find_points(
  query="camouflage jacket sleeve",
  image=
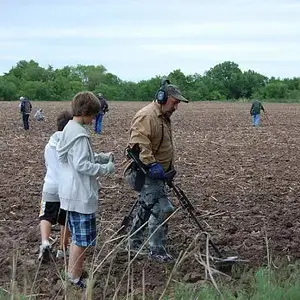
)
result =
(140, 133)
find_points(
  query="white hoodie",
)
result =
(78, 186)
(39, 115)
(50, 187)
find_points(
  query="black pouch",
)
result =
(134, 176)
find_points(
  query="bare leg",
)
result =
(45, 230)
(76, 260)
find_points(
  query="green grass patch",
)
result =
(262, 284)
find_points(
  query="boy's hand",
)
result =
(110, 156)
(110, 167)
(104, 158)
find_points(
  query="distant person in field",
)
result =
(256, 107)
(50, 212)
(25, 109)
(39, 115)
(80, 168)
(103, 111)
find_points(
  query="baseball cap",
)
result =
(174, 91)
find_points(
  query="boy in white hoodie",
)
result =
(50, 212)
(78, 189)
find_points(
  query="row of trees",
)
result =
(224, 81)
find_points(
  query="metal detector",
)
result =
(184, 202)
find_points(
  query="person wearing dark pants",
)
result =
(25, 121)
(25, 108)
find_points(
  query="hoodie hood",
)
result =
(70, 134)
(54, 139)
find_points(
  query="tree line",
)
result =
(225, 81)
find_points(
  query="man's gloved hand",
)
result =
(156, 171)
(111, 156)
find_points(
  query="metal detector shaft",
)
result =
(186, 204)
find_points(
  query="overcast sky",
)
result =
(140, 39)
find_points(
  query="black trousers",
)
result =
(26, 121)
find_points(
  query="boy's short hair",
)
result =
(85, 104)
(62, 119)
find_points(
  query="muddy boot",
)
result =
(135, 247)
(160, 255)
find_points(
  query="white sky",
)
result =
(137, 39)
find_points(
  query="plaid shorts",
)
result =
(82, 228)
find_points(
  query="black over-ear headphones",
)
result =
(162, 94)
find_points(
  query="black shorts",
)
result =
(51, 212)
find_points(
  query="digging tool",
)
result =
(183, 200)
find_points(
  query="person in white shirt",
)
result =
(50, 212)
(39, 115)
